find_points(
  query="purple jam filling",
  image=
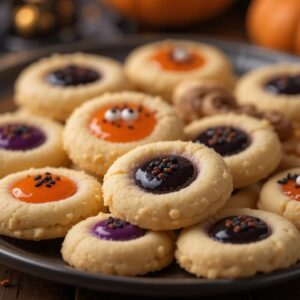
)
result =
(114, 229)
(239, 230)
(165, 174)
(225, 140)
(20, 137)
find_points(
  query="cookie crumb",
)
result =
(5, 283)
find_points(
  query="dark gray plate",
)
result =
(43, 258)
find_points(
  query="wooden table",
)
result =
(27, 287)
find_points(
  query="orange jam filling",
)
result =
(178, 59)
(123, 123)
(43, 188)
(292, 190)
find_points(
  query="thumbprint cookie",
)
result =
(29, 141)
(167, 185)
(244, 198)
(39, 204)
(107, 127)
(109, 245)
(168, 62)
(238, 243)
(275, 87)
(56, 85)
(281, 195)
(249, 146)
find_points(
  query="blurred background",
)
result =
(28, 24)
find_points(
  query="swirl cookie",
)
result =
(109, 126)
(238, 243)
(109, 245)
(244, 198)
(194, 99)
(55, 86)
(275, 87)
(281, 195)
(40, 204)
(167, 185)
(168, 62)
(28, 141)
(243, 141)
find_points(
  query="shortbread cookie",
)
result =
(244, 198)
(275, 87)
(56, 85)
(167, 185)
(291, 150)
(40, 204)
(249, 146)
(164, 64)
(281, 195)
(109, 245)
(107, 127)
(238, 243)
(29, 141)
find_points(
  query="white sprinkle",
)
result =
(298, 180)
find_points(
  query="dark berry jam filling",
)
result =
(114, 229)
(239, 230)
(286, 85)
(165, 174)
(20, 137)
(224, 140)
(73, 75)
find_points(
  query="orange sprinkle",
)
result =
(164, 57)
(122, 130)
(32, 189)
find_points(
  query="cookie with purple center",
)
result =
(238, 243)
(167, 185)
(63, 82)
(244, 142)
(275, 87)
(28, 141)
(284, 190)
(110, 245)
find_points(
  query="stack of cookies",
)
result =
(167, 156)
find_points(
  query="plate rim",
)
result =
(146, 285)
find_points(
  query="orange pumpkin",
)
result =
(169, 12)
(275, 24)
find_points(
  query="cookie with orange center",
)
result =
(238, 243)
(109, 245)
(39, 204)
(281, 195)
(168, 62)
(56, 85)
(29, 141)
(107, 127)
(167, 185)
(244, 142)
